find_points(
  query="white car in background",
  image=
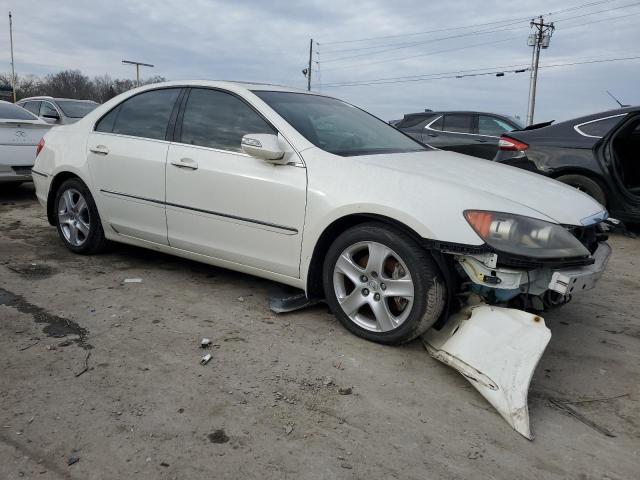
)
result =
(20, 132)
(313, 192)
(58, 111)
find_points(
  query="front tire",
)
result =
(77, 219)
(382, 285)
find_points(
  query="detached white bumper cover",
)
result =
(575, 280)
(497, 350)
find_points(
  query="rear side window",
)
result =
(410, 121)
(458, 123)
(14, 112)
(33, 107)
(437, 125)
(47, 109)
(144, 115)
(492, 126)
(217, 119)
(598, 128)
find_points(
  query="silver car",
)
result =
(58, 111)
(20, 134)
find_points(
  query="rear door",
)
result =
(32, 106)
(225, 204)
(127, 153)
(453, 131)
(490, 128)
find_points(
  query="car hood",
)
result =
(552, 199)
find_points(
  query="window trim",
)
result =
(428, 126)
(55, 107)
(580, 132)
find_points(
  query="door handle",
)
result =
(432, 134)
(185, 163)
(99, 149)
(481, 140)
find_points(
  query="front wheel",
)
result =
(77, 218)
(382, 285)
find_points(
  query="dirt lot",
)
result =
(268, 404)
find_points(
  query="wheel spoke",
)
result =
(378, 253)
(68, 201)
(83, 228)
(352, 302)
(81, 205)
(384, 318)
(398, 288)
(64, 217)
(73, 234)
(346, 266)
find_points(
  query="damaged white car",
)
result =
(312, 192)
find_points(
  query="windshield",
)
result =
(76, 109)
(337, 127)
(14, 112)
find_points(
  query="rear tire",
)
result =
(363, 269)
(77, 219)
(586, 185)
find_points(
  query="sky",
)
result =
(354, 41)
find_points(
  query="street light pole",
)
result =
(137, 64)
(13, 70)
(540, 40)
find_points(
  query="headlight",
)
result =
(524, 236)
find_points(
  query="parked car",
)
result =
(471, 133)
(20, 132)
(597, 154)
(59, 111)
(312, 192)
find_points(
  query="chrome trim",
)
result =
(200, 210)
(577, 127)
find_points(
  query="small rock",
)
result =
(72, 460)
(288, 429)
(347, 466)
(219, 436)
(241, 299)
(345, 390)
(164, 464)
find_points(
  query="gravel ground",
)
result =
(105, 375)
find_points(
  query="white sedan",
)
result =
(20, 132)
(313, 192)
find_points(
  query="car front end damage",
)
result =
(492, 331)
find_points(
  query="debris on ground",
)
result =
(345, 390)
(132, 280)
(205, 343)
(72, 460)
(218, 436)
(164, 464)
(288, 429)
(86, 365)
(205, 359)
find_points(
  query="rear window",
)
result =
(411, 121)
(75, 109)
(9, 111)
(598, 128)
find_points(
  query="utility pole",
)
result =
(137, 64)
(310, 59)
(13, 70)
(538, 40)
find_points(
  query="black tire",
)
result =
(95, 241)
(429, 287)
(586, 185)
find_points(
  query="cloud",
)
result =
(268, 41)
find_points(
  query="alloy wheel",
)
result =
(74, 217)
(373, 286)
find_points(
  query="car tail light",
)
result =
(40, 146)
(511, 144)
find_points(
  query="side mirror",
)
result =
(50, 117)
(264, 146)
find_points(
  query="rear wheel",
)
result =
(586, 185)
(77, 218)
(381, 285)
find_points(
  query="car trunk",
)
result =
(18, 140)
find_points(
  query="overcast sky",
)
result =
(268, 41)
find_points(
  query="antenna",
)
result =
(616, 100)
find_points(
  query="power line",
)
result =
(496, 72)
(528, 17)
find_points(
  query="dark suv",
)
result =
(472, 133)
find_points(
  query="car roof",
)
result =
(443, 112)
(231, 85)
(55, 99)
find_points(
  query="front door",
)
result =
(225, 204)
(127, 156)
